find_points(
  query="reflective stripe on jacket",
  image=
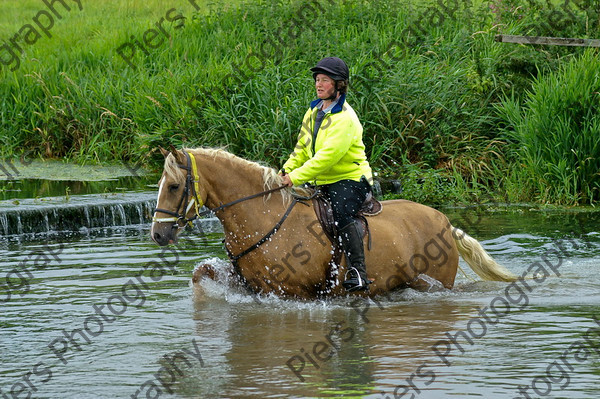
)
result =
(339, 149)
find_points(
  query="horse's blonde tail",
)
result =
(478, 259)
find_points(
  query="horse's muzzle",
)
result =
(164, 233)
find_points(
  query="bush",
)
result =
(425, 75)
(557, 127)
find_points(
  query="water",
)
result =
(26, 188)
(229, 344)
(61, 214)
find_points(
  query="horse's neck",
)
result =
(228, 182)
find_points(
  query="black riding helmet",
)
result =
(333, 67)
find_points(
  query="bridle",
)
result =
(179, 220)
(191, 187)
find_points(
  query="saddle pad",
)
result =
(324, 212)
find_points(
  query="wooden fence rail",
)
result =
(555, 41)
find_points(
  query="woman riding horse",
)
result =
(330, 153)
(277, 246)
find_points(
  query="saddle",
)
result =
(322, 205)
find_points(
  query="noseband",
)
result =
(191, 186)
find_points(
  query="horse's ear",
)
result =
(163, 151)
(179, 155)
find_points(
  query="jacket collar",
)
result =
(337, 108)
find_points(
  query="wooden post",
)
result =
(553, 41)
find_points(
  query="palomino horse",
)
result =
(277, 245)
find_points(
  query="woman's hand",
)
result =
(286, 180)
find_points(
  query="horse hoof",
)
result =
(201, 271)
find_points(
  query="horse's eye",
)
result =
(173, 187)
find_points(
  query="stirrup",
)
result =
(355, 282)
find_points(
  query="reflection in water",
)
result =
(340, 346)
(38, 188)
(264, 347)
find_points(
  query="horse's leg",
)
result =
(426, 283)
(440, 255)
(204, 270)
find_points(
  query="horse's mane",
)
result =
(172, 169)
(269, 175)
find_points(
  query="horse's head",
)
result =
(179, 199)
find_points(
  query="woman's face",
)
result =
(324, 85)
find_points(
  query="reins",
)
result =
(237, 201)
(191, 185)
(265, 238)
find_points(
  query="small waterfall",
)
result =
(140, 212)
(86, 213)
(19, 225)
(46, 222)
(4, 224)
(34, 216)
(120, 210)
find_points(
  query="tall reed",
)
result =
(557, 127)
(424, 88)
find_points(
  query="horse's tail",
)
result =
(478, 259)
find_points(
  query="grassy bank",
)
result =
(429, 83)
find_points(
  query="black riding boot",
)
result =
(352, 243)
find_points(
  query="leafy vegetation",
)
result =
(429, 82)
(558, 128)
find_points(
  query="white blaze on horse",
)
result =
(276, 244)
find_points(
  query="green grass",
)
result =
(558, 128)
(426, 100)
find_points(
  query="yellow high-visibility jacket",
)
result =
(337, 154)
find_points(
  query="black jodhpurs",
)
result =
(346, 198)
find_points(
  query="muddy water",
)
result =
(105, 313)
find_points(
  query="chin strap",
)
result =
(335, 92)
